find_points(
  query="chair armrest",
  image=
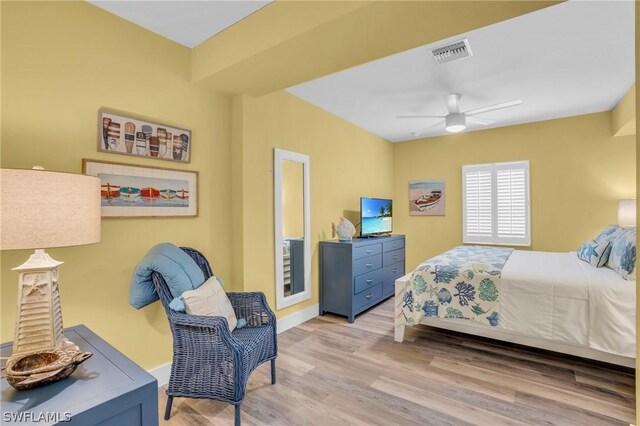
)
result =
(214, 323)
(204, 328)
(253, 307)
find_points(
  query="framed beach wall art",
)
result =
(137, 137)
(427, 198)
(135, 191)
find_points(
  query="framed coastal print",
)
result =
(134, 191)
(426, 198)
(122, 134)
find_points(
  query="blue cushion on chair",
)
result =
(595, 254)
(179, 270)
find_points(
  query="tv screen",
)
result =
(375, 216)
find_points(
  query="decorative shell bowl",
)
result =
(44, 367)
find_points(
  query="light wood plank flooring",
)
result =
(334, 373)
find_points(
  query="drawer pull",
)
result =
(369, 251)
(395, 270)
(369, 281)
(369, 265)
(369, 296)
(395, 257)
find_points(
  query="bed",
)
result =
(553, 301)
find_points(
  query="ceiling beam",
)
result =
(290, 42)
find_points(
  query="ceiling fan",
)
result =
(456, 120)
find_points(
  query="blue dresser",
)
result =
(107, 389)
(358, 275)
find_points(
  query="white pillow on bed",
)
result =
(595, 253)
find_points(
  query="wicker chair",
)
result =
(208, 360)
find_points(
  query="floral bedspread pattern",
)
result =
(463, 282)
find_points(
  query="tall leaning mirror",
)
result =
(292, 228)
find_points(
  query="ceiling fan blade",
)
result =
(419, 116)
(419, 133)
(453, 102)
(477, 120)
(433, 125)
(494, 107)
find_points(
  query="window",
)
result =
(495, 204)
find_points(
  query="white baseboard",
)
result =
(162, 372)
(298, 318)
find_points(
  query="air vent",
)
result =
(451, 52)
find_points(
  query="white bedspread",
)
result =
(559, 297)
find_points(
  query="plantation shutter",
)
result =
(512, 198)
(478, 204)
(496, 207)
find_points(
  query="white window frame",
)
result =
(494, 239)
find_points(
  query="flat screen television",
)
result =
(376, 216)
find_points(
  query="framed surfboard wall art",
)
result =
(128, 190)
(123, 134)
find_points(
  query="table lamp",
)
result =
(42, 209)
(627, 213)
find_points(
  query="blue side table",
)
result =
(107, 389)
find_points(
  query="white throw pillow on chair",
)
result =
(210, 300)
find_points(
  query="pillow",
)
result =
(179, 270)
(623, 254)
(210, 300)
(595, 254)
(610, 233)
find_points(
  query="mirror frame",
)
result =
(281, 155)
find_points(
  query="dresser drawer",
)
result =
(393, 245)
(368, 296)
(391, 257)
(366, 281)
(368, 250)
(393, 272)
(389, 287)
(367, 264)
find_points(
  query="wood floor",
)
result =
(334, 373)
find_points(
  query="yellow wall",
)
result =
(578, 172)
(237, 208)
(61, 62)
(292, 199)
(346, 162)
(623, 116)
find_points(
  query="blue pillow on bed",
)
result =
(595, 253)
(623, 254)
(610, 233)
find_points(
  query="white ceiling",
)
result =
(570, 59)
(186, 22)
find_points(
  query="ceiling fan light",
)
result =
(455, 123)
(455, 128)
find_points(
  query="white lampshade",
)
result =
(627, 212)
(41, 209)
